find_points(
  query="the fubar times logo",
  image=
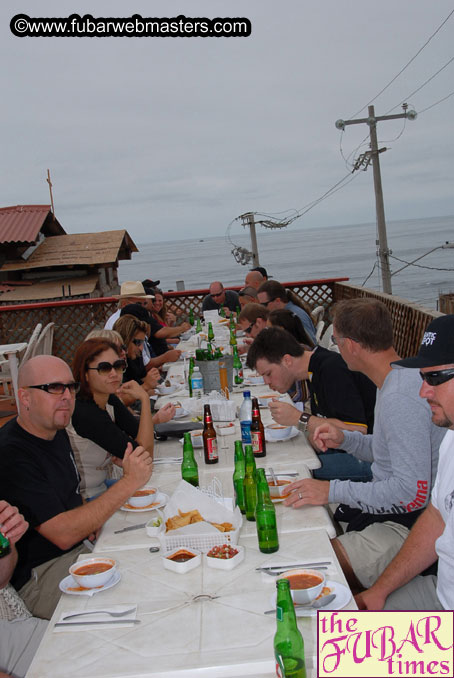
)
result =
(363, 644)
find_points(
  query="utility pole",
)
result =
(248, 220)
(372, 120)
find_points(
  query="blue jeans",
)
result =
(343, 466)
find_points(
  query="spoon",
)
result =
(316, 604)
(273, 475)
(154, 549)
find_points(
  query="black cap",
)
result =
(437, 346)
(137, 311)
(261, 270)
(150, 283)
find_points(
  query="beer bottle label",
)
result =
(212, 448)
(257, 443)
(279, 667)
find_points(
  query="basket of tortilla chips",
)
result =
(196, 520)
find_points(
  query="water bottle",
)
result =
(245, 417)
(197, 383)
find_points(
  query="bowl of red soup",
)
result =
(93, 572)
(143, 497)
(281, 489)
(305, 585)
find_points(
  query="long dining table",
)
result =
(207, 622)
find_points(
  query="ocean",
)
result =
(310, 253)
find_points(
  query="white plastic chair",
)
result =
(45, 340)
(317, 314)
(29, 351)
(320, 326)
(326, 340)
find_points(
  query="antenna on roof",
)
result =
(51, 196)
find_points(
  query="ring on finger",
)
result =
(300, 496)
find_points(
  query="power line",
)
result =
(405, 67)
(423, 85)
(436, 103)
(431, 268)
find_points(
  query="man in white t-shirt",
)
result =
(401, 587)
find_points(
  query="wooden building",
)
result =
(39, 261)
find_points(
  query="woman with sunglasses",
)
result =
(134, 335)
(102, 425)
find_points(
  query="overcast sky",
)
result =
(175, 137)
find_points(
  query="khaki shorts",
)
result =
(41, 593)
(419, 594)
(371, 550)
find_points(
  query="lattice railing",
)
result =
(409, 320)
(74, 319)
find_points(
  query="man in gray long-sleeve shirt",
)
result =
(403, 449)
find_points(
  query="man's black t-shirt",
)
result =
(338, 392)
(40, 478)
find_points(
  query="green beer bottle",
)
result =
(250, 484)
(232, 341)
(199, 355)
(189, 468)
(232, 321)
(265, 515)
(288, 641)
(210, 332)
(237, 367)
(198, 327)
(238, 476)
(5, 546)
(191, 370)
(191, 316)
(222, 312)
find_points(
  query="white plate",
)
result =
(68, 582)
(183, 413)
(294, 432)
(162, 498)
(257, 381)
(343, 596)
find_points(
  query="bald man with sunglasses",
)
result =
(401, 586)
(38, 474)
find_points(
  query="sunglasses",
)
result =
(438, 376)
(248, 330)
(138, 342)
(265, 303)
(217, 294)
(58, 388)
(106, 368)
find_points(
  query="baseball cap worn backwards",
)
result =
(437, 346)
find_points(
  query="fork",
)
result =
(112, 614)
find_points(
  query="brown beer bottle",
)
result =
(210, 444)
(257, 431)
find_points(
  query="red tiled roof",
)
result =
(22, 223)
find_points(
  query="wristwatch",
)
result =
(303, 422)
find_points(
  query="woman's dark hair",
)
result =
(282, 317)
(85, 353)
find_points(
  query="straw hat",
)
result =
(133, 288)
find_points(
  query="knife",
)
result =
(291, 567)
(131, 527)
(108, 621)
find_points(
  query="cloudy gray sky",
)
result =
(174, 138)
